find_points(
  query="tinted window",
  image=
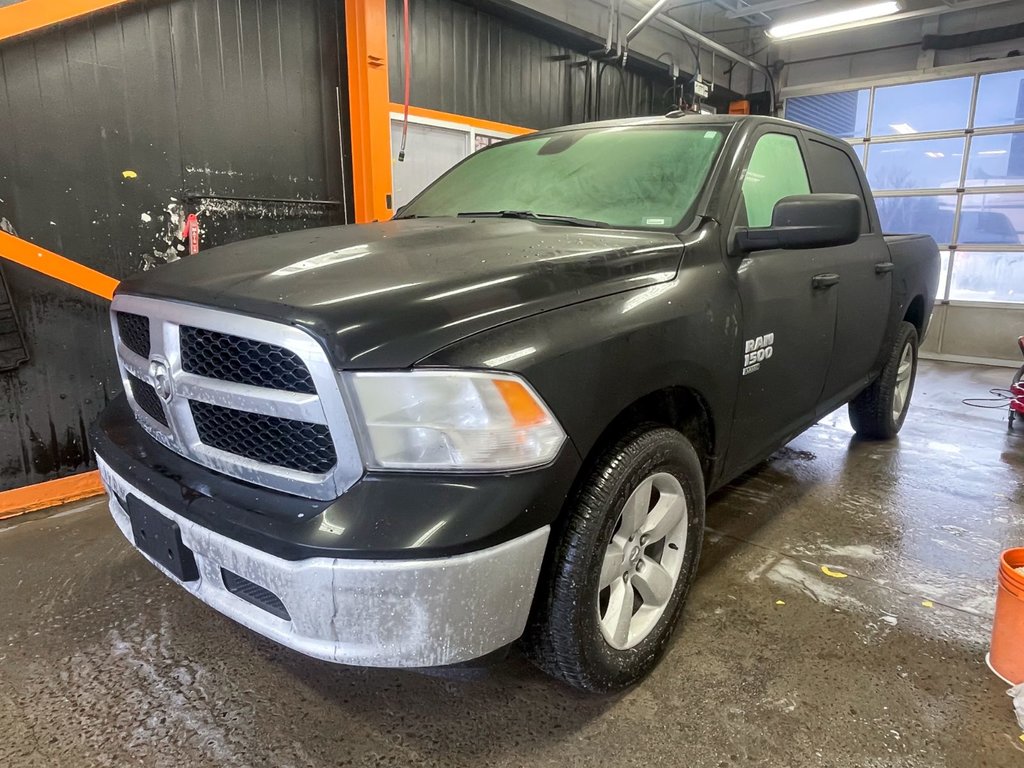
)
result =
(832, 170)
(776, 170)
(625, 177)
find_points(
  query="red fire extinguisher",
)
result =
(190, 232)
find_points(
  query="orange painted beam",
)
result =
(366, 35)
(30, 15)
(474, 122)
(49, 494)
(53, 265)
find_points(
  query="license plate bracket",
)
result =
(160, 538)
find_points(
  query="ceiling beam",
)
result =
(744, 9)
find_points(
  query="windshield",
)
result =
(627, 177)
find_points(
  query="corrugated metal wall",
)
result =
(469, 62)
(114, 127)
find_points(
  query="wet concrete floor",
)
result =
(104, 662)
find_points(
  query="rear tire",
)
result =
(622, 563)
(879, 411)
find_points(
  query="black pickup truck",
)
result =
(497, 416)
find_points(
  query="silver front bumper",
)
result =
(377, 613)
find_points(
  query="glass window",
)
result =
(1000, 99)
(625, 177)
(925, 214)
(776, 170)
(858, 150)
(992, 218)
(927, 164)
(934, 105)
(981, 276)
(832, 170)
(483, 141)
(996, 160)
(940, 292)
(842, 114)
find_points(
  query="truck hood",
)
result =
(389, 293)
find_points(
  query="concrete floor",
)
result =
(105, 662)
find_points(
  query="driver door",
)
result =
(789, 311)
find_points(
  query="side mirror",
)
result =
(804, 221)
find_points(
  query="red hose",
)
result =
(406, 60)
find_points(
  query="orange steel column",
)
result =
(369, 105)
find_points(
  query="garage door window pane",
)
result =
(929, 215)
(929, 164)
(776, 170)
(840, 114)
(996, 160)
(992, 218)
(1000, 99)
(937, 105)
(940, 292)
(979, 276)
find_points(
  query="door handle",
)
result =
(826, 280)
(884, 266)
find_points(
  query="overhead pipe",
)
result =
(646, 19)
(708, 42)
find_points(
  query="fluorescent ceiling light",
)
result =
(902, 127)
(827, 22)
(934, 154)
(993, 152)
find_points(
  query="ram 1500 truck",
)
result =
(410, 443)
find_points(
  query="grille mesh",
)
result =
(272, 440)
(254, 593)
(134, 330)
(232, 358)
(147, 399)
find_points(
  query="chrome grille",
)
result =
(283, 442)
(247, 397)
(231, 358)
(147, 399)
(134, 332)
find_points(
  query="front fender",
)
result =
(592, 360)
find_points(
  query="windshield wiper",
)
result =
(554, 218)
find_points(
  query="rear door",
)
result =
(788, 322)
(864, 290)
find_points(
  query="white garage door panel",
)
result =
(429, 152)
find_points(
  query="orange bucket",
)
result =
(1006, 655)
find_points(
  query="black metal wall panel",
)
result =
(112, 128)
(470, 62)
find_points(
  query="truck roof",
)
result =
(685, 119)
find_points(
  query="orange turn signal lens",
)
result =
(525, 409)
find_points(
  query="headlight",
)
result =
(453, 420)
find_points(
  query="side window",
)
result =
(832, 170)
(776, 170)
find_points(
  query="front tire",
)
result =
(622, 564)
(879, 411)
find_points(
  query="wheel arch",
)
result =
(915, 315)
(681, 407)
